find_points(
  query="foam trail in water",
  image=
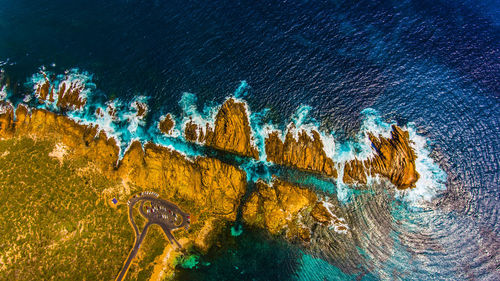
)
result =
(134, 116)
(242, 90)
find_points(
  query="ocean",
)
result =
(342, 67)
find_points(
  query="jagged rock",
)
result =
(321, 214)
(394, 159)
(68, 96)
(304, 153)
(232, 131)
(354, 171)
(166, 124)
(142, 109)
(278, 206)
(193, 133)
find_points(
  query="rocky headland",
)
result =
(206, 187)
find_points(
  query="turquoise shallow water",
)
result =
(344, 68)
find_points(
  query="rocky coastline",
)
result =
(208, 188)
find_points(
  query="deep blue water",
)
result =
(433, 63)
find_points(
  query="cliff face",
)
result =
(304, 153)
(394, 159)
(6, 119)
(232, 131)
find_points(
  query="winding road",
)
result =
(156, 211)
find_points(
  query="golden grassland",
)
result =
(55, 222)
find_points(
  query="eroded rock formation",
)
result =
(166, 124)
(277, 207)
(205, 182)
(68, 93)
(394, 159)
(231, 133)
(304, 153)
(6, 119)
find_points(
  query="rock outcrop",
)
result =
(304, 153)
(69, 96)
(6, 119)
(394, 159)
(278, 207)
(166, 124)
(287, 208)
(231, 131)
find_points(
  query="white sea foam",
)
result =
(259, 132)
(133, 118)
(105, 120)
(191, 113)
(361, 147)
(432, 179)
(341, 222)
(3, 93)
(5, 107)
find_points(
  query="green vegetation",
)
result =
(55, 223)
(188, 262)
